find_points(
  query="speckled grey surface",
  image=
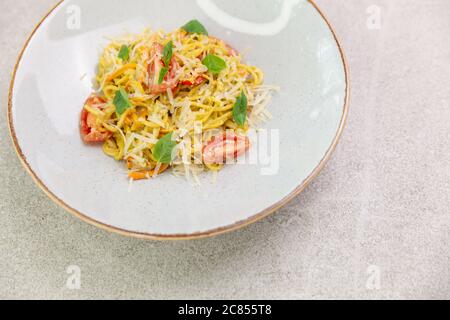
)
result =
(381, 206)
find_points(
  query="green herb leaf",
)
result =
(121, 101)
(214, 63)
(162, 74)
(167, 53)
(240, 110)
(124, 53)
(194, 26)
(163, 152)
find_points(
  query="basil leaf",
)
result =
(167, 53)
(163, 152)
(124, 53)
(162, 74)
(240, 110)
(121, 101)
(214, 63)
(195, 26)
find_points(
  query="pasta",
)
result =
(182, 99)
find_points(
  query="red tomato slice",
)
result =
(225, 147)
(154, 69)
(198, 81)
(88, 130)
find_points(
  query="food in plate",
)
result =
(182, 99)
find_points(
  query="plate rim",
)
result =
(199, 235)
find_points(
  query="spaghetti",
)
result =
(182, 99)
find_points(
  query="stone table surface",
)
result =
(374, 224)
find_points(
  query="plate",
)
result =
(290, 40)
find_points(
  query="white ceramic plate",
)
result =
(290, 40)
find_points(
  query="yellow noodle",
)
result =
(151, 116)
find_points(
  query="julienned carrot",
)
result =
(147, 174)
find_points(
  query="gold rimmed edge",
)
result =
(206, 234)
